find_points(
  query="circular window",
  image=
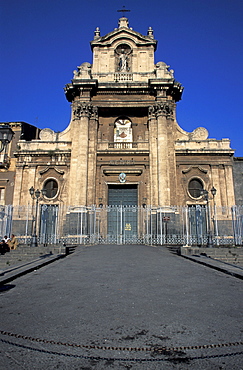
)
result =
(51, 188)
(195, 187)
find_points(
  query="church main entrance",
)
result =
(125, 195)
(122, 214)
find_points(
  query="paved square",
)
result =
(122, 296)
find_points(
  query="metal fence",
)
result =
(177, 225)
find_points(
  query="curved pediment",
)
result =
(198, 168)
(123, 32)
(126, 34)
(51, 168)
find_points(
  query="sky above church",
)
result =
(42, 42)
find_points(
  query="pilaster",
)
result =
(216, 183)
(25, 178)
(171, 155)
(93, 133)
(223, 182)
(18, 185)
(153, 158)
(163, 112)
(78, 182)
(230, 186)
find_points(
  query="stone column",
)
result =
(153, 158)
(163, 112)
(78, 180)
(171, 155)
(93, 132)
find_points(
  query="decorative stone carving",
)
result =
(123, 130)
(200, 133)
(162, 70)
(83, 110)
(151, 112)
(48, 168)
(150, 32)
(201, 169)
(97, 33)
(123, 22)
(47, 134)
(161, 109)
(83, 72)
(122, 177)
(94, 113)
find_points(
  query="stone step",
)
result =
(26, 253)
(8, 257)
(230, 259)
(7, 262)
(230, 255)
(226, 256)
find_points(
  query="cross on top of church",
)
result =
(123, 10)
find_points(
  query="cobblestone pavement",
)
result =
(124, 297)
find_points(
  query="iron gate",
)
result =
(126, 224)
(122, 224)
(122, 215)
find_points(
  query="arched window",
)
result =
(195, 187)
(51, 188)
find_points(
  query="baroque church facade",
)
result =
(123, 146)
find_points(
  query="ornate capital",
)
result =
(151, 112)
(162, 109)
(94, 112)
(84, 110)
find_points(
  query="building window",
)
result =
(51, 188)
(195, 187)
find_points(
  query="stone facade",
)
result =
(238, 180)
(124, 133)
(22, 131)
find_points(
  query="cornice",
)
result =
(41, 153)
(201, 152)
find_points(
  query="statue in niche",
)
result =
(122, 58)
(123, 61)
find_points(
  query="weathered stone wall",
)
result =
(238, 180)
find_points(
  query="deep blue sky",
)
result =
(43, 41)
